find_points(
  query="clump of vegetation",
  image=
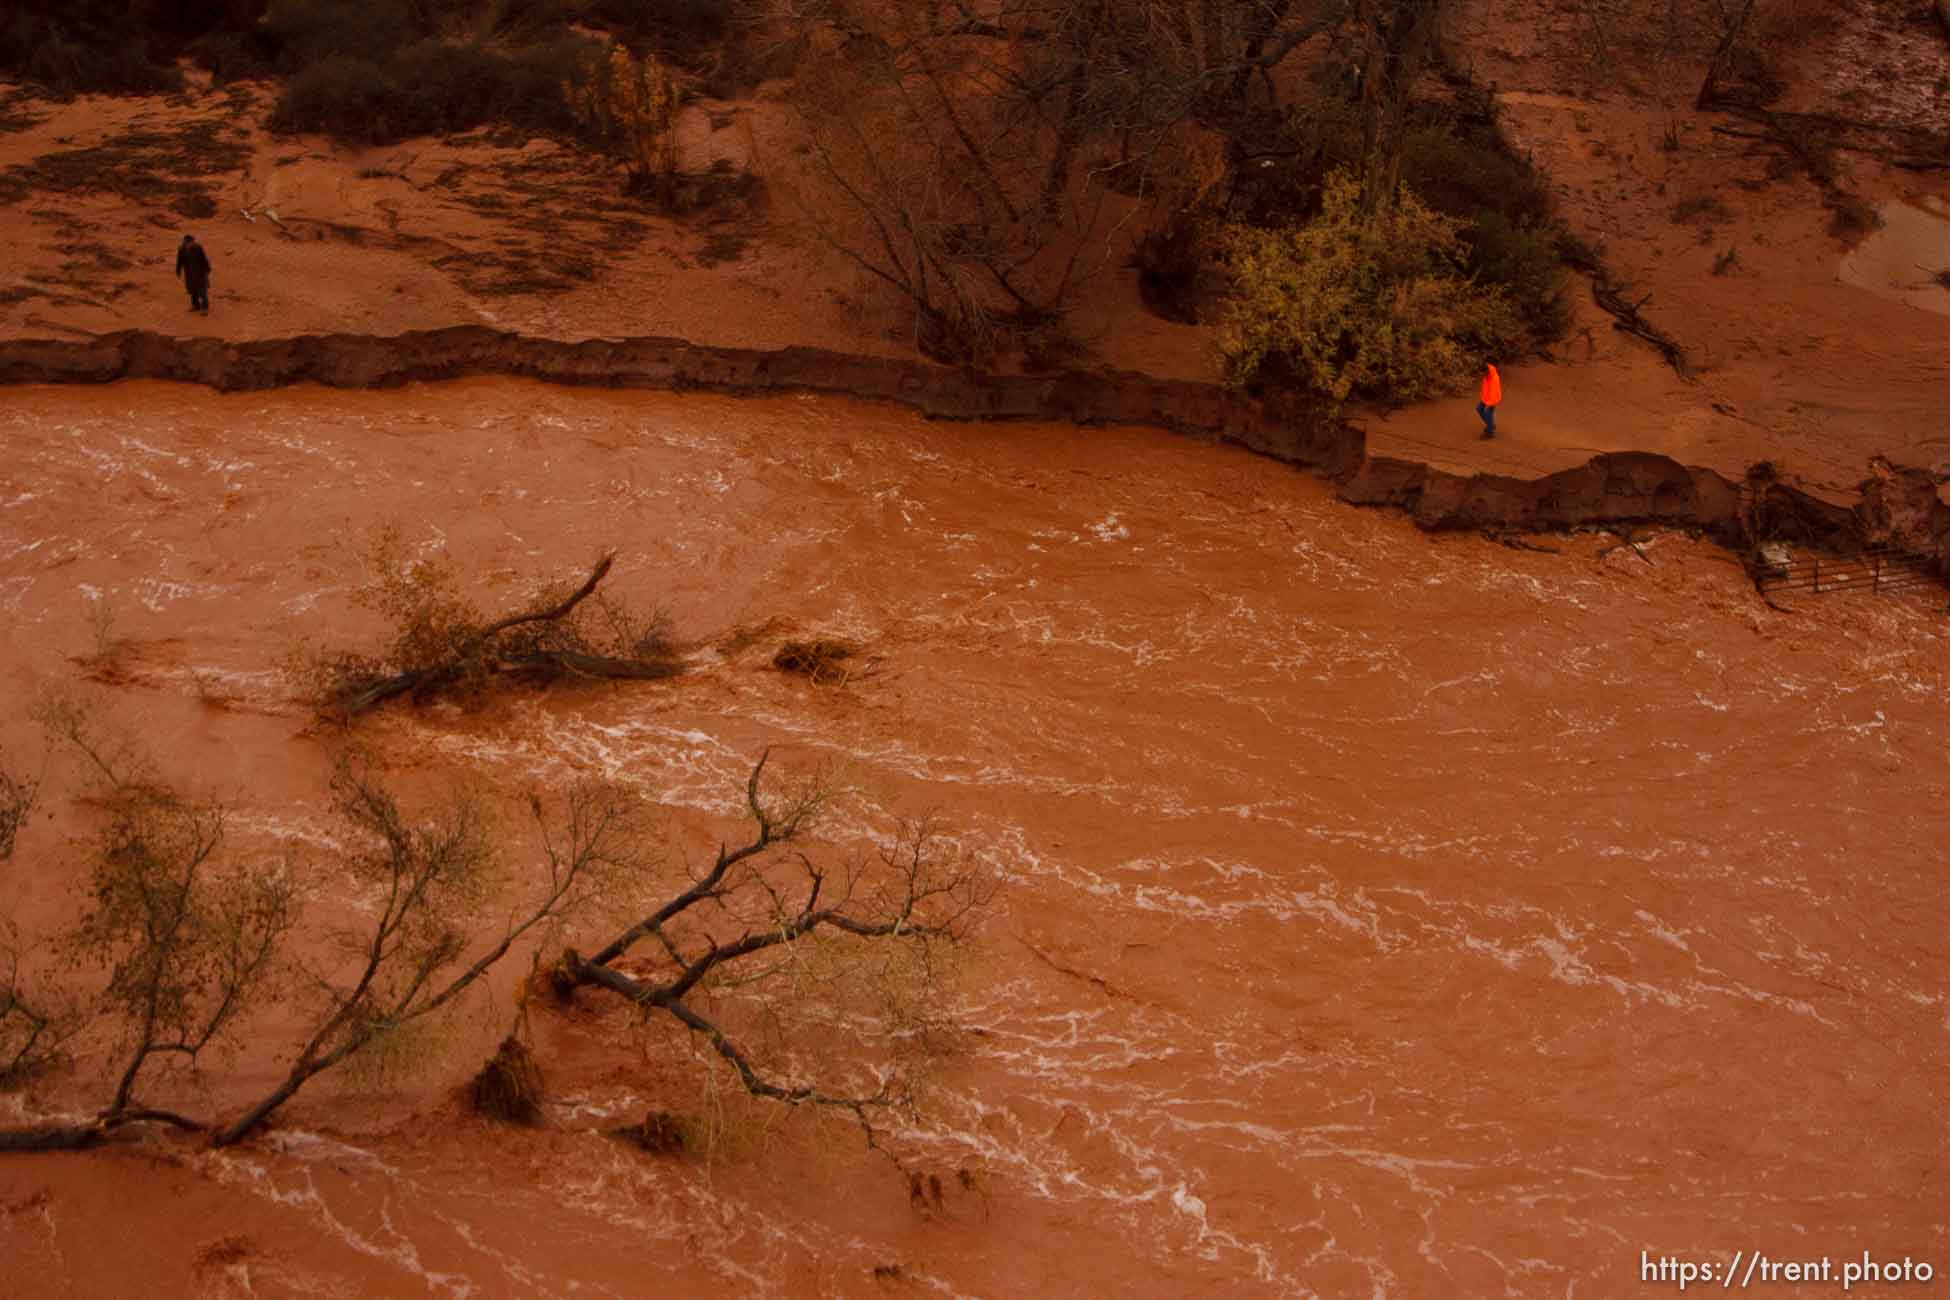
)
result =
(435, 87)
(36, 1022)
(822, 660)
(60, 46)
(441, 646)
(630, 103)
(1364, 300)
(661, 1134)
(1849, 216)
(192, 940)
(17, 796)
(1450, 154)
(509, 1087)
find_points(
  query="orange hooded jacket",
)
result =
(1492, 386)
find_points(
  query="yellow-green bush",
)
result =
(1359, 303)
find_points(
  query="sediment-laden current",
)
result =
(1380, 915)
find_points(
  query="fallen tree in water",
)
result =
(196, 942)
(442, 646)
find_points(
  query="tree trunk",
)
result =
(52, 1137)
(246, 1124)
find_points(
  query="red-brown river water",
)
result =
(1380, 915)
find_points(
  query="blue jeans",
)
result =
(1488, 414)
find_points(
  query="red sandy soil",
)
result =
(1792, 364)
(1381, 915)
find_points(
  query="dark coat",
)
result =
(192, 263)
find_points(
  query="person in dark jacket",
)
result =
(193, 269)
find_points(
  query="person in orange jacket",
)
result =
(1492, 394)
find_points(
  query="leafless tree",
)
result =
(745, 920)
(977, 147)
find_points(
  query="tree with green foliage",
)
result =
(1360, 303)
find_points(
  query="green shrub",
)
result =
(433, 87)
(1361, 304)
(234, 56)
(351, 99)
(63, 51)
(308, 33)
(1463, 169)
(1525, 262)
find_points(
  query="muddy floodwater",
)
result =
(1381, 915)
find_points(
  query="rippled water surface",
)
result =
(1382, 915)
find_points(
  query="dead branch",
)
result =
(1608, 296)
(562, 610)
(1626, 539)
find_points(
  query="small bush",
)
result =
(1171, 266)
(350, 99)
(17, 795)
(819, 661)
(306, 33)
(1463, 170)
(630, 104)
(1359, 304)
(1526, 263)
(64, 51)
(661, 1134)
(509, 1087)
(433, 88)
(1849, 216)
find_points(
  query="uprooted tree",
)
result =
(196, 940)
(442, 645)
